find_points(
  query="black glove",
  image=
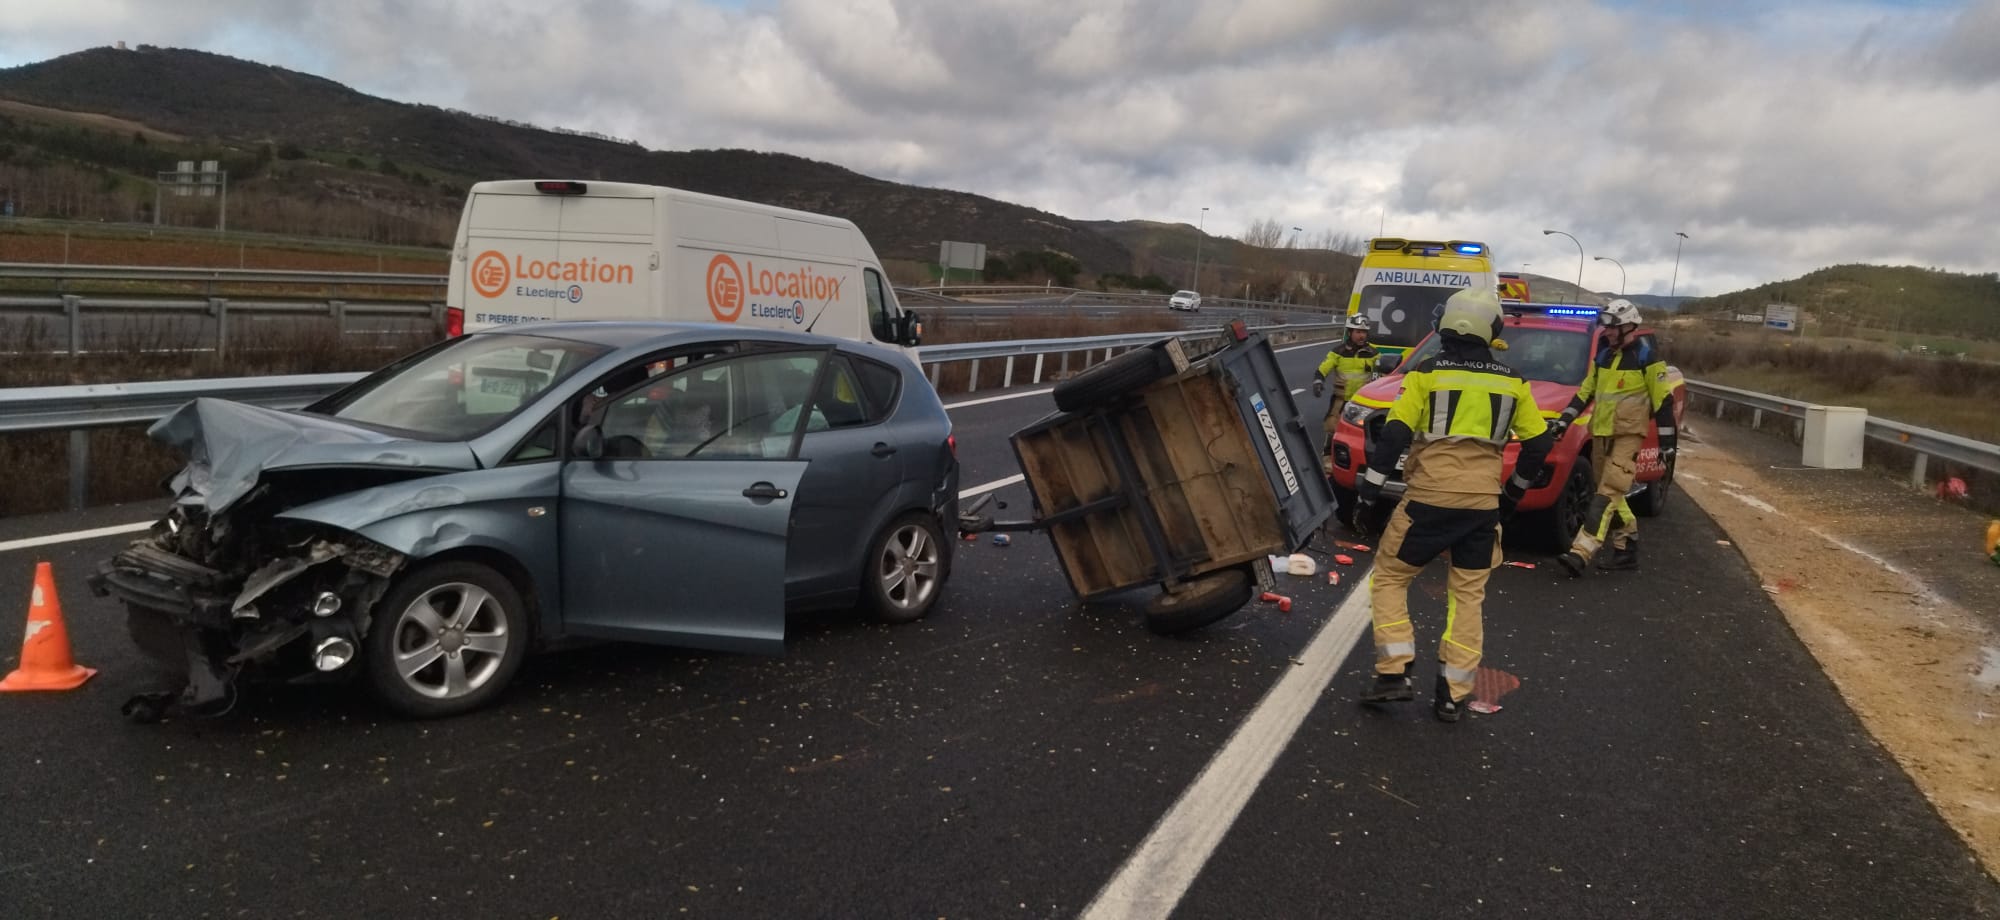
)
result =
(1319, 386)
(1510, 496)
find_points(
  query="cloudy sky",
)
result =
(1779, 136)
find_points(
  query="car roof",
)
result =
(647, 335)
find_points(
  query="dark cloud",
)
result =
(1781, 136)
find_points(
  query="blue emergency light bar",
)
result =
(1572, 311)
(1470, 249)
(1548, 309)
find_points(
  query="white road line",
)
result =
(73, 536)
(984, 488)
(1158, 873)
(993, 399)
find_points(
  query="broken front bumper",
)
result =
(144, 575)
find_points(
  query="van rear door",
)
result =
(541, 256)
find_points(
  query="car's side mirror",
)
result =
(1386, 364)
(588, 444)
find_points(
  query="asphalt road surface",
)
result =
(1671, 751)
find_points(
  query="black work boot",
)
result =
(1389, 688)
(1442, 705)
(1572, 563)
(1621, 557)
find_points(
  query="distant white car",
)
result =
(1185, 300)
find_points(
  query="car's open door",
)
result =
(677, 551)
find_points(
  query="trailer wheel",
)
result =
(1114, 378)
(1200, 602)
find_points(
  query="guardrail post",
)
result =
(79, 468)
(73, 308)
(1917, 478)
(1718, 408)
(934, 373)
(218, 307)
(973, 384)
(1756, 418)
(339, 310)
(1063, 368)
(1007, 375)
(1038, 368)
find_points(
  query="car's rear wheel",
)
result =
(905, 570)
(446, 640)
(1199, 602)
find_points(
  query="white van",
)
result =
(532, 250)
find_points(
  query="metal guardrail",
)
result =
(81, 409)
(1925, 443)
(65, 273)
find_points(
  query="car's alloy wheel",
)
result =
(446, 639)
(450, 641)
(905, 568)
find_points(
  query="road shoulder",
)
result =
(1920, 668)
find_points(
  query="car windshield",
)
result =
(464, 388)
(1536, 352)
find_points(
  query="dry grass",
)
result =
(1943, 393)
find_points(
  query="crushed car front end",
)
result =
(223, 587)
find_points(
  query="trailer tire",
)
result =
(1203, 601)
(1114, 378)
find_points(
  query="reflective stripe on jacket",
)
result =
(1351, 367)
(1629, 384)
(1461, 413)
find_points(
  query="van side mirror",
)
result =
(912, 333)
(588, 443)
(1386, 364)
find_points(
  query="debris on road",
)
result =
(1357, 547)
(1001, 539)
(1519, 565)
(1344, 559)
(1284, 603)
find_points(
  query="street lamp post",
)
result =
(1286, 297)
(1677, 262)
(1621, 272)
(1195, 285)
(1579, 261)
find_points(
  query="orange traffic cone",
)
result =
(45, 656)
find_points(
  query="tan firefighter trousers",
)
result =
(1417, 534)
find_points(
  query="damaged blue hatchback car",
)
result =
(426, 527)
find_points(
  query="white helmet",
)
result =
(1357, 321)
(1473, 312)
(1620, 312)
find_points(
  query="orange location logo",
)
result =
(725, 288)
(489, 273)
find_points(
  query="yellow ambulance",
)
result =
(1403, 284)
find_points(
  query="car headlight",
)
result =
(1353, 413)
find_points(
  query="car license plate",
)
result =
(500, 386)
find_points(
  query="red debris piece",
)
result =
(1344, 559)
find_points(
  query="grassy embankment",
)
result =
(1948, 394)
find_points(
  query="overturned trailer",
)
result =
(1165, 468)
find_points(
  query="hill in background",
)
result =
(83, 135)
(1901, 299)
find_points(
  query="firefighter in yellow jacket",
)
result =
(1456, 413)
(1351, 364)
(1628, 380)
